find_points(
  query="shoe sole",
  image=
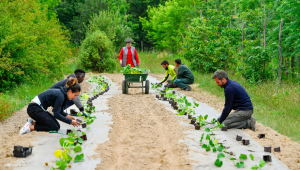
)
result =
(253, 122)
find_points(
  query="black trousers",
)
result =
(44, 120)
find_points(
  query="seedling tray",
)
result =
(23, 153)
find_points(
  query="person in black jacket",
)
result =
(57, 98)
(79, 74)
(236, 98)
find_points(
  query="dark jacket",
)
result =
(57, 98)
(236, 98)
(184, 72)
(62, 83)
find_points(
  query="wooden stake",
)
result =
(279, 67)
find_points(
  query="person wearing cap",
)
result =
(129, 55)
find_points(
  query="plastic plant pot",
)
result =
(173, 92)
(267, 158)
(224, 128)
(26, 151)
(277, 149)
(197, 127)
(80, 121)
(193, 121)
(163, 91)
(239, 138)
(162, 95)
(75, 142)
(165, 99)
(68, 131)
(83, 137)
(267, 149)
(18, 148)
(190, 117)
(185, 113)
(175, 107)
(179, 110)
(261, 136)
(73, 112)
(88, 111)
(157, 96)
(246, 142)
(83, 125)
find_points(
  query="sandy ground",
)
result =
(290, 150)
(9, 134)
(144, 134)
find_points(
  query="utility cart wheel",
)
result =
(124, 87)
(147, 87)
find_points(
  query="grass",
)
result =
(274, 107)
(18, 97)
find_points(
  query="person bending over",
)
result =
(79, 74)
(57, 98)
(236, 98)
(184, 76)
(169, 71)
(128, 55)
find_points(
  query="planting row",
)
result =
(184, 107)
(72, 144)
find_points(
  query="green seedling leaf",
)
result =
(80, 140)
(251, 157)
(70, 139)
(208, 137)
(211, 143)
(88, 128)
(232, 159)
(79, 114)
(205, 117)
(207, 130)
(77, 148)
(254, 167)
(201, 137)
(79, 158)
(208, 148)
(220, 148)
(262, 163)
(62, 165)
(240, 165)
(243, 157)
(83, 133)
(62, 141)
(218, 163)
(214, 149)
(221, 155)
(204, 146)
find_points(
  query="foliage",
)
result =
(133, 70)
(31, 45)
(96, 52)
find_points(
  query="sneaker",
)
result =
(189, 88)
(29, 120)
(25, 129)
(252, 123)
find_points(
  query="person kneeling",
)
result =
(236, 98)
(169, 71)
(184, 76)
(57, 98)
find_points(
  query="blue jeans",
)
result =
(69, 103)
(183, 83)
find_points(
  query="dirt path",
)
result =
(144, 134)
(9, 133)
(290, 150)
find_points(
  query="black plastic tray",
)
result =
(22, 154)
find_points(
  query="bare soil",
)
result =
(144, 135)
(290, 150)
(9, 134)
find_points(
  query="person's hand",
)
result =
(75, 123)
(120, 62)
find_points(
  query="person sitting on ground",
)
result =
(128, 55)
(79, 74)
(57, 98)
(169, 71)
(184, 76)
(236, 98)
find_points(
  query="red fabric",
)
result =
(129, 57)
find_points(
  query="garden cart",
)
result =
(129, 79)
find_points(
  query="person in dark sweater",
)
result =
(184, 76)
(236, 98)
(56, 98)
(79, 74)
